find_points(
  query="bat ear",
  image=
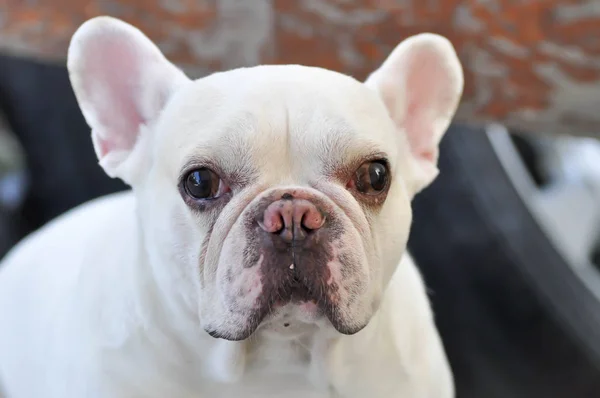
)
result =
(122, 82)
(421, 83)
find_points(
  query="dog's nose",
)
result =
(292, 219)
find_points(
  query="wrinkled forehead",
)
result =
(283, 121)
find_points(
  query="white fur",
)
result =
(109, 300)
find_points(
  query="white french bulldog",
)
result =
(262, 249)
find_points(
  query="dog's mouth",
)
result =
(310, 304)
(298, 291)
(297, 310)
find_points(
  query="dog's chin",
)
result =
(291, 329)
(291, 319)
(231, 335)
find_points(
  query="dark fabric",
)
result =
(42, 111)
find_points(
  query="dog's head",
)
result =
(272, 195)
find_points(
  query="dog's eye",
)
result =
(371, 178)
(203, 184)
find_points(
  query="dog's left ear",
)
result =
(421, 83)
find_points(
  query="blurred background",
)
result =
(508, 235)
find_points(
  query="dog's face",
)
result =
(280, 199)
(270, 196)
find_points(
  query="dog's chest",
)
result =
(272, 386)
(279, 369)
(286, 368)
(271, 370)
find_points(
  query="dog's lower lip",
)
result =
(298, 292)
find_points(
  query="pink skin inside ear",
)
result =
(430, 95)
(110, 75)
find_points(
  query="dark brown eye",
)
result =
(371, 178)
(202, 184)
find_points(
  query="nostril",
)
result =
(312, 221)
(278, 223)
(271, 222)
(304, 225)
(279, 231)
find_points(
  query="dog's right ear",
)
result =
(122, 82)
